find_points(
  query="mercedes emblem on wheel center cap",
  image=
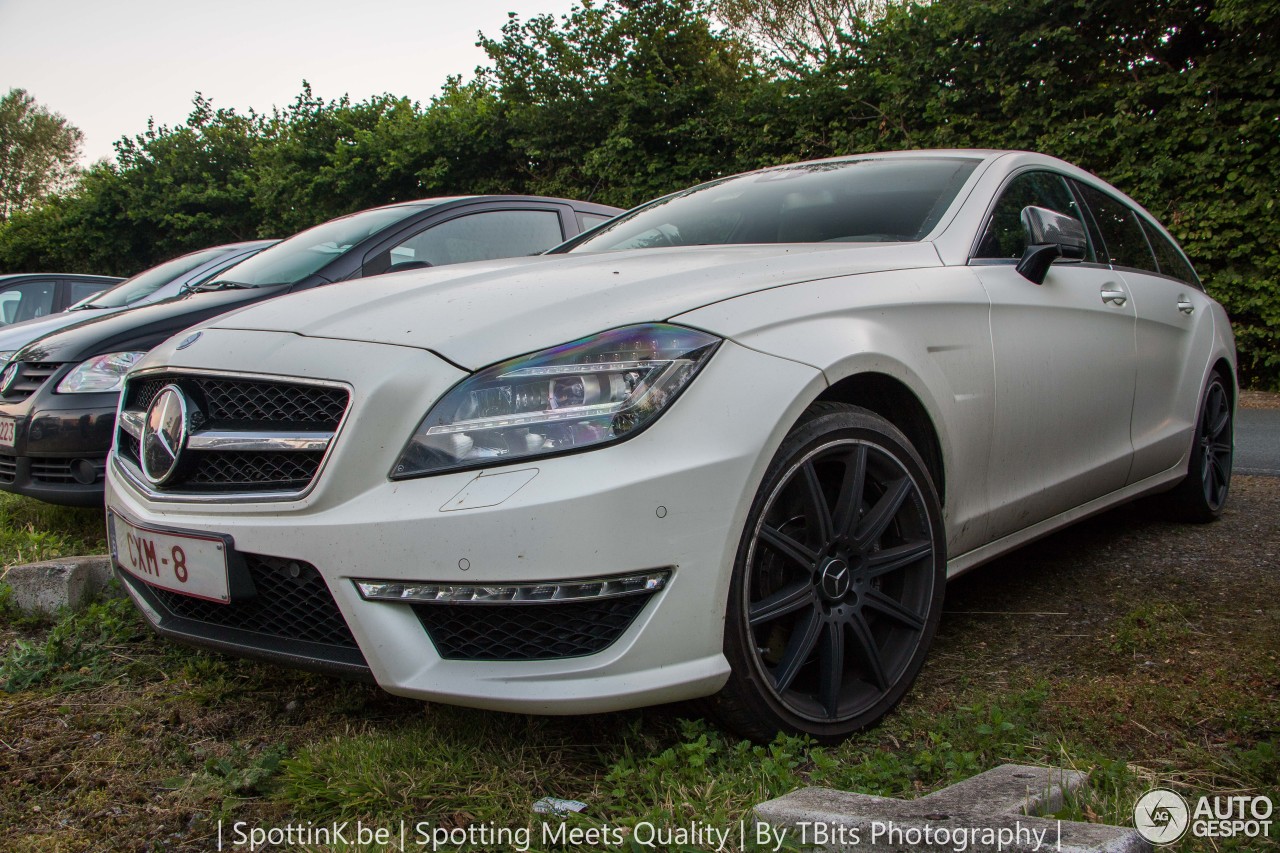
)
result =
(164, 435)
(835, 580)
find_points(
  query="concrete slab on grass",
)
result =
(996, 810)
(54, 584)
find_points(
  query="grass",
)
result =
(1155, 660)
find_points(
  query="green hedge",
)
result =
(1177, 102)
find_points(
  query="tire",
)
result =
(838, 581)
(1201, 496)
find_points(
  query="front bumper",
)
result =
(60, 447)
(673, 498)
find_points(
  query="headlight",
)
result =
(578, 395)
(100, 373)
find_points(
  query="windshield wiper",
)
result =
(222, 284)
(82, 307)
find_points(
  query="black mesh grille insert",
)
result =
(294, 608)
(228, 470)
(54, 470)
(8, 469)
(250, 401)
(527, 632)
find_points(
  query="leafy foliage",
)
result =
(38, 152)
(1173, 101)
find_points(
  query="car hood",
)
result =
(479, 313)
(136, 328)
(18, 335)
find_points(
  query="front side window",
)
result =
(1126, 243)
(26, 302)
(1004, 237)
(475, 237)
(851, 201)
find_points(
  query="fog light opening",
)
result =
(84, 472)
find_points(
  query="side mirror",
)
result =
(1050, 235)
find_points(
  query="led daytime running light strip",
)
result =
(412, 592)
(575, 369)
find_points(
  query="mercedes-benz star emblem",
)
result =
(835, 580)
(164, 435)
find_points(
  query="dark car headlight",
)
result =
(578, 395)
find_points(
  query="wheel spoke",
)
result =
(852, 486)
(821, 512)
(799, 645)
(1219, 424)
(831, 675)
(787, 600)
(1220, 474)
(788, 547)
(894, 610)
(898, 557)
(877, 520)
(868, 651)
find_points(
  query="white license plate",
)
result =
(179, 562)
(8, 426)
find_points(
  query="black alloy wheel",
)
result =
(1203, 494)
(838, 585)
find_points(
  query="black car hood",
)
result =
(139, 328)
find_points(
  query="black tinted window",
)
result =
(1168, 257)
(1004, 236)
(1126, 244)
(854, 201)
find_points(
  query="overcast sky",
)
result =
(109, 65)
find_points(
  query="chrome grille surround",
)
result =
(297, 445)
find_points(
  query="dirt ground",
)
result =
(1135, 624)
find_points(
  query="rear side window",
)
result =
(1169, 257)
(1126, 242)
(26, 301)
(1004, 236)
(587, 221)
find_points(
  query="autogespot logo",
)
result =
(1161, 816)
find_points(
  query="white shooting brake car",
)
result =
(729, 445)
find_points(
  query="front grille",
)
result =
(230, 405)
(227, 402)
(512, 632)
(53, 470)
(285, 606)
(8, 469)
(31, 376)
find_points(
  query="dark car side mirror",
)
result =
(1050, 235)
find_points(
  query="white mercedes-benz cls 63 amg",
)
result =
(728, 445)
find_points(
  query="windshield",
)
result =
(307, 252)
(149, 281)
(852, 201)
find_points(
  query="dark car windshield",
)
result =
(292, 260)
(855, 201)
(149, 281)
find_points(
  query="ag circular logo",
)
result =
(164, 435)
(1161, 816)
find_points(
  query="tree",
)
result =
(801, 34)
(39, 151)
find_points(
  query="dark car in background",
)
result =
(58, 395)
(28, 296)
(90, 299)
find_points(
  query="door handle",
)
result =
(1114, 296)
(1185, 306)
